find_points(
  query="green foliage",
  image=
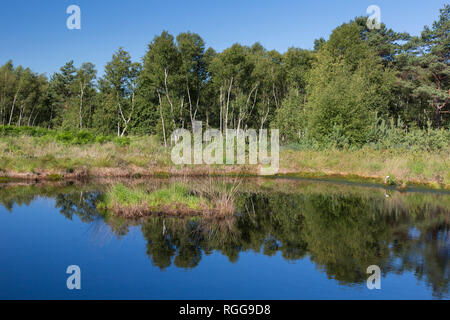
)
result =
(23, 96)
(424, 71)
(394, 135)
(321, 98)
(290, 118)
(347, 86)
(67, 137)
(25, 131)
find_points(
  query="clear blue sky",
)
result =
(33, 33)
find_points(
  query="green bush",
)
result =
(82, 137)
(394, 135)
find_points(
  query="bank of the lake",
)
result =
(35, 158)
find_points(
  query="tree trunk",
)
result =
(162, 120)
(35, 118)
(118, 123)
(19, 122)
(228, 105)
(29, 118)
(221, 109)
(81, 107)
(12, 107)
(127, 121)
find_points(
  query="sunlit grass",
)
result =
(175, 196)
(406, 166)
(24, 154)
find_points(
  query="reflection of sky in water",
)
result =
(414, 233)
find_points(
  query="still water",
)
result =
(289, 239)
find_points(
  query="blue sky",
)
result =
(33, 33)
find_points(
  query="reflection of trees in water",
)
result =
(81, 204)
(342, 233)
(185, 240)
(426, 252)
(84, 205)
(345, 235)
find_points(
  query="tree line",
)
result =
(340, 90)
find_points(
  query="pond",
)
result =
(287, 239)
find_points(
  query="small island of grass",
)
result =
(174, 199)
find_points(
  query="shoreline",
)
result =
(84, 174)
(36, 159)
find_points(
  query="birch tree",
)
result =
(84, 82)
(121, 76)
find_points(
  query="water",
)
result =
(289, 239)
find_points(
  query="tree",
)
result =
(7, 83)
(61, 94)
(331, 94)
(290, 117)
(84, 85)
(230, 70)
(387, 43)
(20, 76)
(22, 95)
(120, 85)
(297, 64)
(347, 87)
(193, 69)
(31, 97)
(161, 73)
(426, 71)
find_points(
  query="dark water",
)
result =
(288, 240)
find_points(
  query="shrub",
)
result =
(394, 135)
(82, 137)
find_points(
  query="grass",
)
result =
(137, 201)
(44, 156)
(206, 197)
(413, 167)
(176, 195)
(25, 154)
